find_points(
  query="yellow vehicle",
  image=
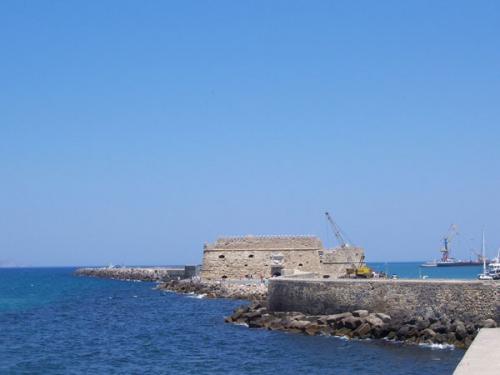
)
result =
(361, 270)
(364, 271)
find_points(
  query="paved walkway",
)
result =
(483, 356)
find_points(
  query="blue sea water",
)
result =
(52, 322)
(413, 270)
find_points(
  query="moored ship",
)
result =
(447, 260)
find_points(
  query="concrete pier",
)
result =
(483, 356)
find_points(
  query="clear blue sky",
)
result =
(134, 131)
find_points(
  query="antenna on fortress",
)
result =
(337, 231)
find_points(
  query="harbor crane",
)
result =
(360, 270)
(452, 233)
(336, 231)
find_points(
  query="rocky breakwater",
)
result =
(218, 289)
(363, 324)
(132, 273)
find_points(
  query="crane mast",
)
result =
(336, 231)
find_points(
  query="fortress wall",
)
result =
(238, 257)
(334, 263)
(474, 300)
(266, 243)
(237, 264)
(255, 256)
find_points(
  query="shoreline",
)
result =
(363, 324)
(429, 330)
(216, 289)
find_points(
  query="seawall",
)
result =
(456, 299)
(139, 273)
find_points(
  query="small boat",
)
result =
(492, 272)
(429, 264)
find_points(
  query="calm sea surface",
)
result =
(52, 322)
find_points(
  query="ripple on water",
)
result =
(87, 325)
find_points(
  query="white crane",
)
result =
(337, 232)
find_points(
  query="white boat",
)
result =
(492, 272)
(429, 264)
(493, 269)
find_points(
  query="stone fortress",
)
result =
(267, 256)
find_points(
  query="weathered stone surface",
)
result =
(422, 324)
(252, 292)
(360, 313)
(374, 320)
(336, 317)
(384, 317)
(252, 256)
(460, 331)
(343, 332)
(312, 329)
(266, 256)
(297, 316)
(300, 324)
(428, 333)
(362, 330)
(439, 327)
(445, 300)
(351, 322)
(455, 332)
(488, 323)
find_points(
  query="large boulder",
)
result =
(337, 317)
(362, 330)
(428, 333)
(360, 313)
(374, 320)
(351, 322)
(460, 331)
(312, 329)
(254, 314)
(300, 324)
(439, 327)
(344, 332)
(297, 316)
(385, 318)
(407, 331)
(488, 323)
(422, 324)
(239, 312)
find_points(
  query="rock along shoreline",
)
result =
(359, 324)
(243, 291)
(363, 324)
(151, 274)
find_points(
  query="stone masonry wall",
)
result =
(335, 262)
(398, 298)
(239, 257)
(254, 263)
(265, 243)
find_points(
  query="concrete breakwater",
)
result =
(363, 324)
(139, 273)
(247, 291)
